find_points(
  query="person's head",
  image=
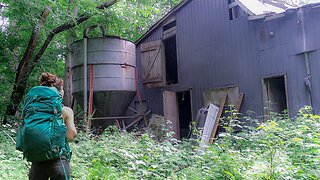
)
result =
(47, 79)
(51, 80)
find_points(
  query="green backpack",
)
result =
(42, 135)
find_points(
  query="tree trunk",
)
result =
(67, 101)
(24, 70)
(27, 64)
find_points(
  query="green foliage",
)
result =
(128, 19)
(144, 158)
(278, 148)
(12, 166)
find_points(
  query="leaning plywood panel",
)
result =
(216, 96)
(208, 126)
(216, 123)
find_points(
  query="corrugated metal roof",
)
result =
(256, 7)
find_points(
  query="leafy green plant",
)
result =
(12, 165)
(277, 148)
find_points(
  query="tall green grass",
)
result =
(278, 148)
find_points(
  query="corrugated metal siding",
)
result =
(215, 52)
(315, 74)
(279, 54)
(313, 26)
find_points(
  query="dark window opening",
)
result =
(233, 12)
(185, 114)
(275, 96)
(230, 1)
(169, 25)
(171, 60)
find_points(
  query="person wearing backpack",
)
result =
(47, 128)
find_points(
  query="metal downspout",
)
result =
(307, 80)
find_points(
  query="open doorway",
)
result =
(185, 114)
(178, 109)
(275, 94)
(171, 64)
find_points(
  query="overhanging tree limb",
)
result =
(32, 43)
(27, 64)
(107, 4)
(56, 31)
(23, 68)
(67, 26)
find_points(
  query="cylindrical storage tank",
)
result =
(113, 64)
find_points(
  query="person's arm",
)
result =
(67, 115)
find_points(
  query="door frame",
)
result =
(266, 112)
(171, 111)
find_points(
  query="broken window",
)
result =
(234, 10)
(169, 29)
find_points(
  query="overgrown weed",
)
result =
(277, 148)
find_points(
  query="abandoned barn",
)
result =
(265, 57)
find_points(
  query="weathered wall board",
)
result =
(217, 96)
(208, 126)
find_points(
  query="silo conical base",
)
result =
(107, 104)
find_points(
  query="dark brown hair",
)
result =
(51, 80)
(47, 79)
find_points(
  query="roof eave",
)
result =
(153, 27)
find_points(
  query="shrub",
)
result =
(278, 148)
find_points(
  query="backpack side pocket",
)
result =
(19, 138)
(59, 136)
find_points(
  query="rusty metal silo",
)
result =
(110, 73)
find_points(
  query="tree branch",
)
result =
(26, 65)
(58, 30)
(32, 42)
(67, 26)
(107, 4)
